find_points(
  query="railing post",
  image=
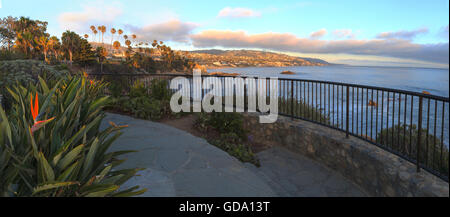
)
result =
(419, 136)
(347, 112)
(292, 99)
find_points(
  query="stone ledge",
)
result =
(377, 171)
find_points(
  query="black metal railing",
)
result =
(412, 125)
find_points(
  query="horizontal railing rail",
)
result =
(412, 125)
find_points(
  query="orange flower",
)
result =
(35, 113)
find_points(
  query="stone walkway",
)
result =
(179, 164)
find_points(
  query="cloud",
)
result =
(172, 30)
(286, 42)
(318, 34)
(444, 32)
(344, 33)
(228, 12)
(408, 35)
(96, 13)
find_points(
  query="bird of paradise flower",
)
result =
(35, 113)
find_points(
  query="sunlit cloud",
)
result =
(403, 34)
(229, 12)
(172, 30)
(344, 33)
(286, 42)
(94, 13)
(318, 34)
(444, 32)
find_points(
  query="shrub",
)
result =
(25, 71)
(65, 155)
(159, 89)
(142, 104)
(233, 145)
(232, 135)
(429, 155)
(223, 122)
(302, 109)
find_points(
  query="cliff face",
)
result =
(244, 58)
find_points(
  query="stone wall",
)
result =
(377, 171)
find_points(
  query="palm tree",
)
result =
(113, 31)
(69, 40)
(55, 45)
(116, 45)
(94, 31)
(102, 29)
(133, 36)
(45, 43)
(128, 43)
(120, 32)
(101, 54)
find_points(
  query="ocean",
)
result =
(435, 81)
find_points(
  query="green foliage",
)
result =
(25, 71)
(233, 145)
(68, 155)
(159, 89)
(429, 155)
(222, 122)
(10, 55)
(232, 135)
(302, 109)
(146, 103)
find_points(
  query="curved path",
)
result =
(180, 164)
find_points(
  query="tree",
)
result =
(70, 41)
(113, 31)
(101, 54)
(45, 45)
(120, 32)
(128, 43)
(94, 31)
(56, 46)
(102, 29)
(7, 33)
(83, 53)
(27, 30)
(116, 45)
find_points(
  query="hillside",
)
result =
(245, 58)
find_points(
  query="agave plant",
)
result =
(65, 153)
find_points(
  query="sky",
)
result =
(359, 32)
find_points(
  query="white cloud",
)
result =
(238, 12)
(286, 42)
(94, 13)
(172, 30)
(318, 34)
(344, 33)
(403, 34)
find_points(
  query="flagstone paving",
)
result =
(180, 164)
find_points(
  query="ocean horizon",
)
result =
(417, 79)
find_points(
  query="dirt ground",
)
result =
(186, 123)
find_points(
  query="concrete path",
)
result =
(179, 164)
(293, 175)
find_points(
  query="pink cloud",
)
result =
(238, 12)
(172, 30)
(344, 33)
(95, 13)
(438, 53)
(318, 34)
(403, 34)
